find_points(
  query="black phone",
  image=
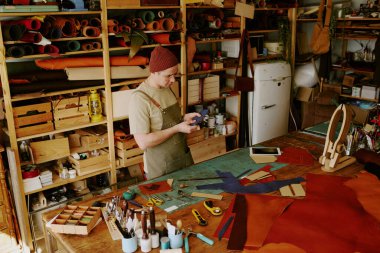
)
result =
(199, 119)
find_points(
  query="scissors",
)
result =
(154, 201)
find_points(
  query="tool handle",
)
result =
(187, 248)
(205, 239)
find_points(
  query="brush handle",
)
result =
(205, 239)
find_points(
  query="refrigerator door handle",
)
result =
(267, 106)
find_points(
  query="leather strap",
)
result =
(244, 36)
(328, 12)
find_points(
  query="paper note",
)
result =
(286, 192)
(257, 175)
(263, 158)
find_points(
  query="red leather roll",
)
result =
(124, 28)
(113, 29)
(48, 49)
(29, 23)
(87, 46)
(30, 174)
(96, 45)
(31, 37)
(166, 38)
(120, 42)
(84, 22)
(91, 31)
(138, 23)
(21, 2)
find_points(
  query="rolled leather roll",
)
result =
(166, 24)
(95, 22)
(91, 31)
(13, 32)
(147, 16)
(31, 37)
(87, 46)
(29, 49)
(137, 23)
(166, 38)
(124, 28)
(67, 26)
(113, 29)
(153, 26)
(48, 49)
(69, 46)
(15, 51)
(96, 45)
(29, 23)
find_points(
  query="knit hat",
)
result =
(161, 59)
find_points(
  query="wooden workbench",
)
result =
(99, 239)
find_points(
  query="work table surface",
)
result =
(99, 240)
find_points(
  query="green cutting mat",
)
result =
(235, 162)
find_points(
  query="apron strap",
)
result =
(152, 100)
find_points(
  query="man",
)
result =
(155, 118)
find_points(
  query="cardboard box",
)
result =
(306, 94)
(370, 92)
(120, 103)
(44, 151)
(360, 115)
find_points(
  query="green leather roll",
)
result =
(69, 46)
(147, 16)
(13, 32)
(15, 51)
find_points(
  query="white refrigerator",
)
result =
(268, 104)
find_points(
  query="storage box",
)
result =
(33, 119)
(70, 112)
(128, 152)
(356, 91)
(360, 115)
(211, 89)
(44, 151)
(96, 139)
(91, 164)
(306, 94)
(119, 4)
(370, 92)
(79, 220)
(196, 136)
(120, 103)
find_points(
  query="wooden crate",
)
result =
(78, 220)
(44, 151)
(91, 164)
(196, 136)
(33, 119)
(211, 89)
(91, 140)
(208, 149)
(70, 112)
(128, 152)
(118, 4)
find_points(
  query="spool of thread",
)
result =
(155, 240)
(211, 122)
(146, 245)
(165, 244)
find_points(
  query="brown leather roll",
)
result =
(95, 22)
(66, 26)
(111, 22)
(113, 29)
(166, 24)
(87, 46)
(138, 23)
(96, 45)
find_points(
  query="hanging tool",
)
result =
(201, 221)
(331, 158)
(214, 210)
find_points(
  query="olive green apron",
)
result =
(172, 154)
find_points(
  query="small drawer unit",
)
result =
(72, 111)
(33, 119)
(201, 89)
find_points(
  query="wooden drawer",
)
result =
(44, 151)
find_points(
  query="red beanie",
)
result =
(161, 59)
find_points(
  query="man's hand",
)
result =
(189, 117)
(186, 127)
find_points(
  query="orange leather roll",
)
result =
(91, 31)
(153, 26)
(113, 29)
(166, 24)
(87, 46)
(95, 22)
(62, 63)
(76, 22)
(138, 23)
(67, 26)
(166, 38)
(112, 22)
(124, 28)
(96, 45)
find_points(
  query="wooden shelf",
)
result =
(364, 71)
(263, 31)
(209, 71)
(359, 27)
(145, 7)
(215, 40)
(214, 99)
(28, 96)
(268, 57)
(57, 181)
(37, 56)
(58, 131)
(358, 19)
(50, 13)
(55, 40)
(355, 37)
(144, 46)
(360, 98)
